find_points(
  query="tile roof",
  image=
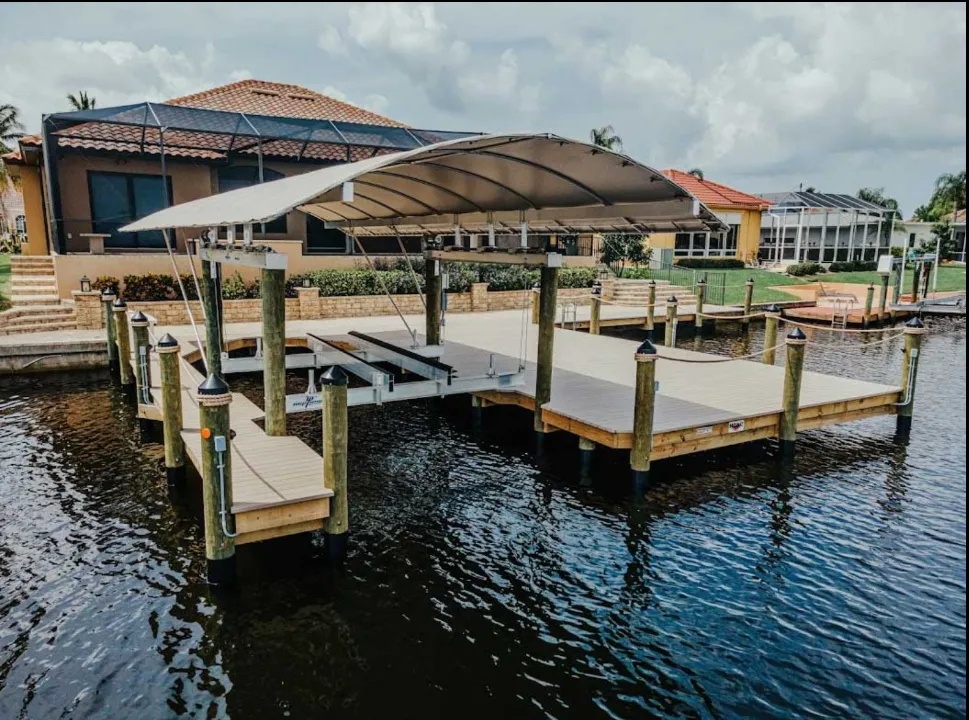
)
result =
(711, 193)
(257, 97)
(282, 100)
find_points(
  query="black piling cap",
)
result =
(671, 299)
(773, 308)
(139, 317)
(107, 292)
(750, 280)
(915, 323)
(652, 282)
(213, 385)
(167, 341)
(701, 280)
(334, 375)
(796, 334)
(119, 303)
(647, 348)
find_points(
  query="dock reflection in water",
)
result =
(482, 581)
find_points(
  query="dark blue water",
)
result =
(485, 583)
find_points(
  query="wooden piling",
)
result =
(651, 309)
(213, 336)
(701, 291)
(546, 338)
(916, 282)
(214, 399)
(274, 349)
(587, 452)
(432, 296)
(772, 316)
(639, 457)
(108, 297)
(793, 370)
(595, 311)
(142, 357)
(336, 525)
(171, 396)
(670, 329)
(535, 300)
(123, 339)
(748, 302)
(914, 330)
(883, 298)
(869, 300)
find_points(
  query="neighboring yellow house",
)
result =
(740, 211)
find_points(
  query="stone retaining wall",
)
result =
(310, 306)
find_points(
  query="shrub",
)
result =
(807, 268)
(580, 277)
(150, 287)
(107, 282)
(897, 251)
(235, 288)
(852, 266)
(710, 263)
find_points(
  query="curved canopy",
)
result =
(554, 183)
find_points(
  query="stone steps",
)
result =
(23, 299)
(37, 327)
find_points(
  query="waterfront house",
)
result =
(740, 211)
(802, 226)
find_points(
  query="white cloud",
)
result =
(421, 46)
(114, 72)
(331, 42)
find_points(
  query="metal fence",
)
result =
(687, 277)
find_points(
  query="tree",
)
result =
(620, 250)
(942, 240)
(696, 172)
(876, 196)
(81, 101)
(10, 126)
(605, 137)
(948, 196)
(810, 189)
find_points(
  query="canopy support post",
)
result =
(432, 283)
(546, 337)
(274, 349)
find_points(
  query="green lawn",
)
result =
(950, 278)
(4, 279)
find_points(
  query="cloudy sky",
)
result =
(762, 96)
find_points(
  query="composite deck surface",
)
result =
(267, 471)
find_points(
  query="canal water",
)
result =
(485, 583)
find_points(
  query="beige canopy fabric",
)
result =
(555, 184)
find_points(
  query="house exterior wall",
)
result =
(748, 231)
(30, 184)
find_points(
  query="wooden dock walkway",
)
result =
(699, 406)
(277, 482)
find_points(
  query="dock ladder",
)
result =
(570, 313)
(841, 310)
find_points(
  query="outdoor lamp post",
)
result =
(306, 282)
(85, 284)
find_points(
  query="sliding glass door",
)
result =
(120, 198)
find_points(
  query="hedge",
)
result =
(853, 266)
(807, 268)
(342, 283)
(710, 263)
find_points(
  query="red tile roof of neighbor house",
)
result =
(256, 97)
(711, 193)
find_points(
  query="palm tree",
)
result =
(10, 126)
(696, 172)
(876, 196)
(81, 101)
(605, 137)
(951, 187)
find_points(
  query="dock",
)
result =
(277, 482)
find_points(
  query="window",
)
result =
(730, 246)
(911, 239)
(681, 244)
(118, 199)
(234, 177)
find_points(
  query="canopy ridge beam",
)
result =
(399, 194)
(428, 183)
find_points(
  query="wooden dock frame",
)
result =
(686, 441)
